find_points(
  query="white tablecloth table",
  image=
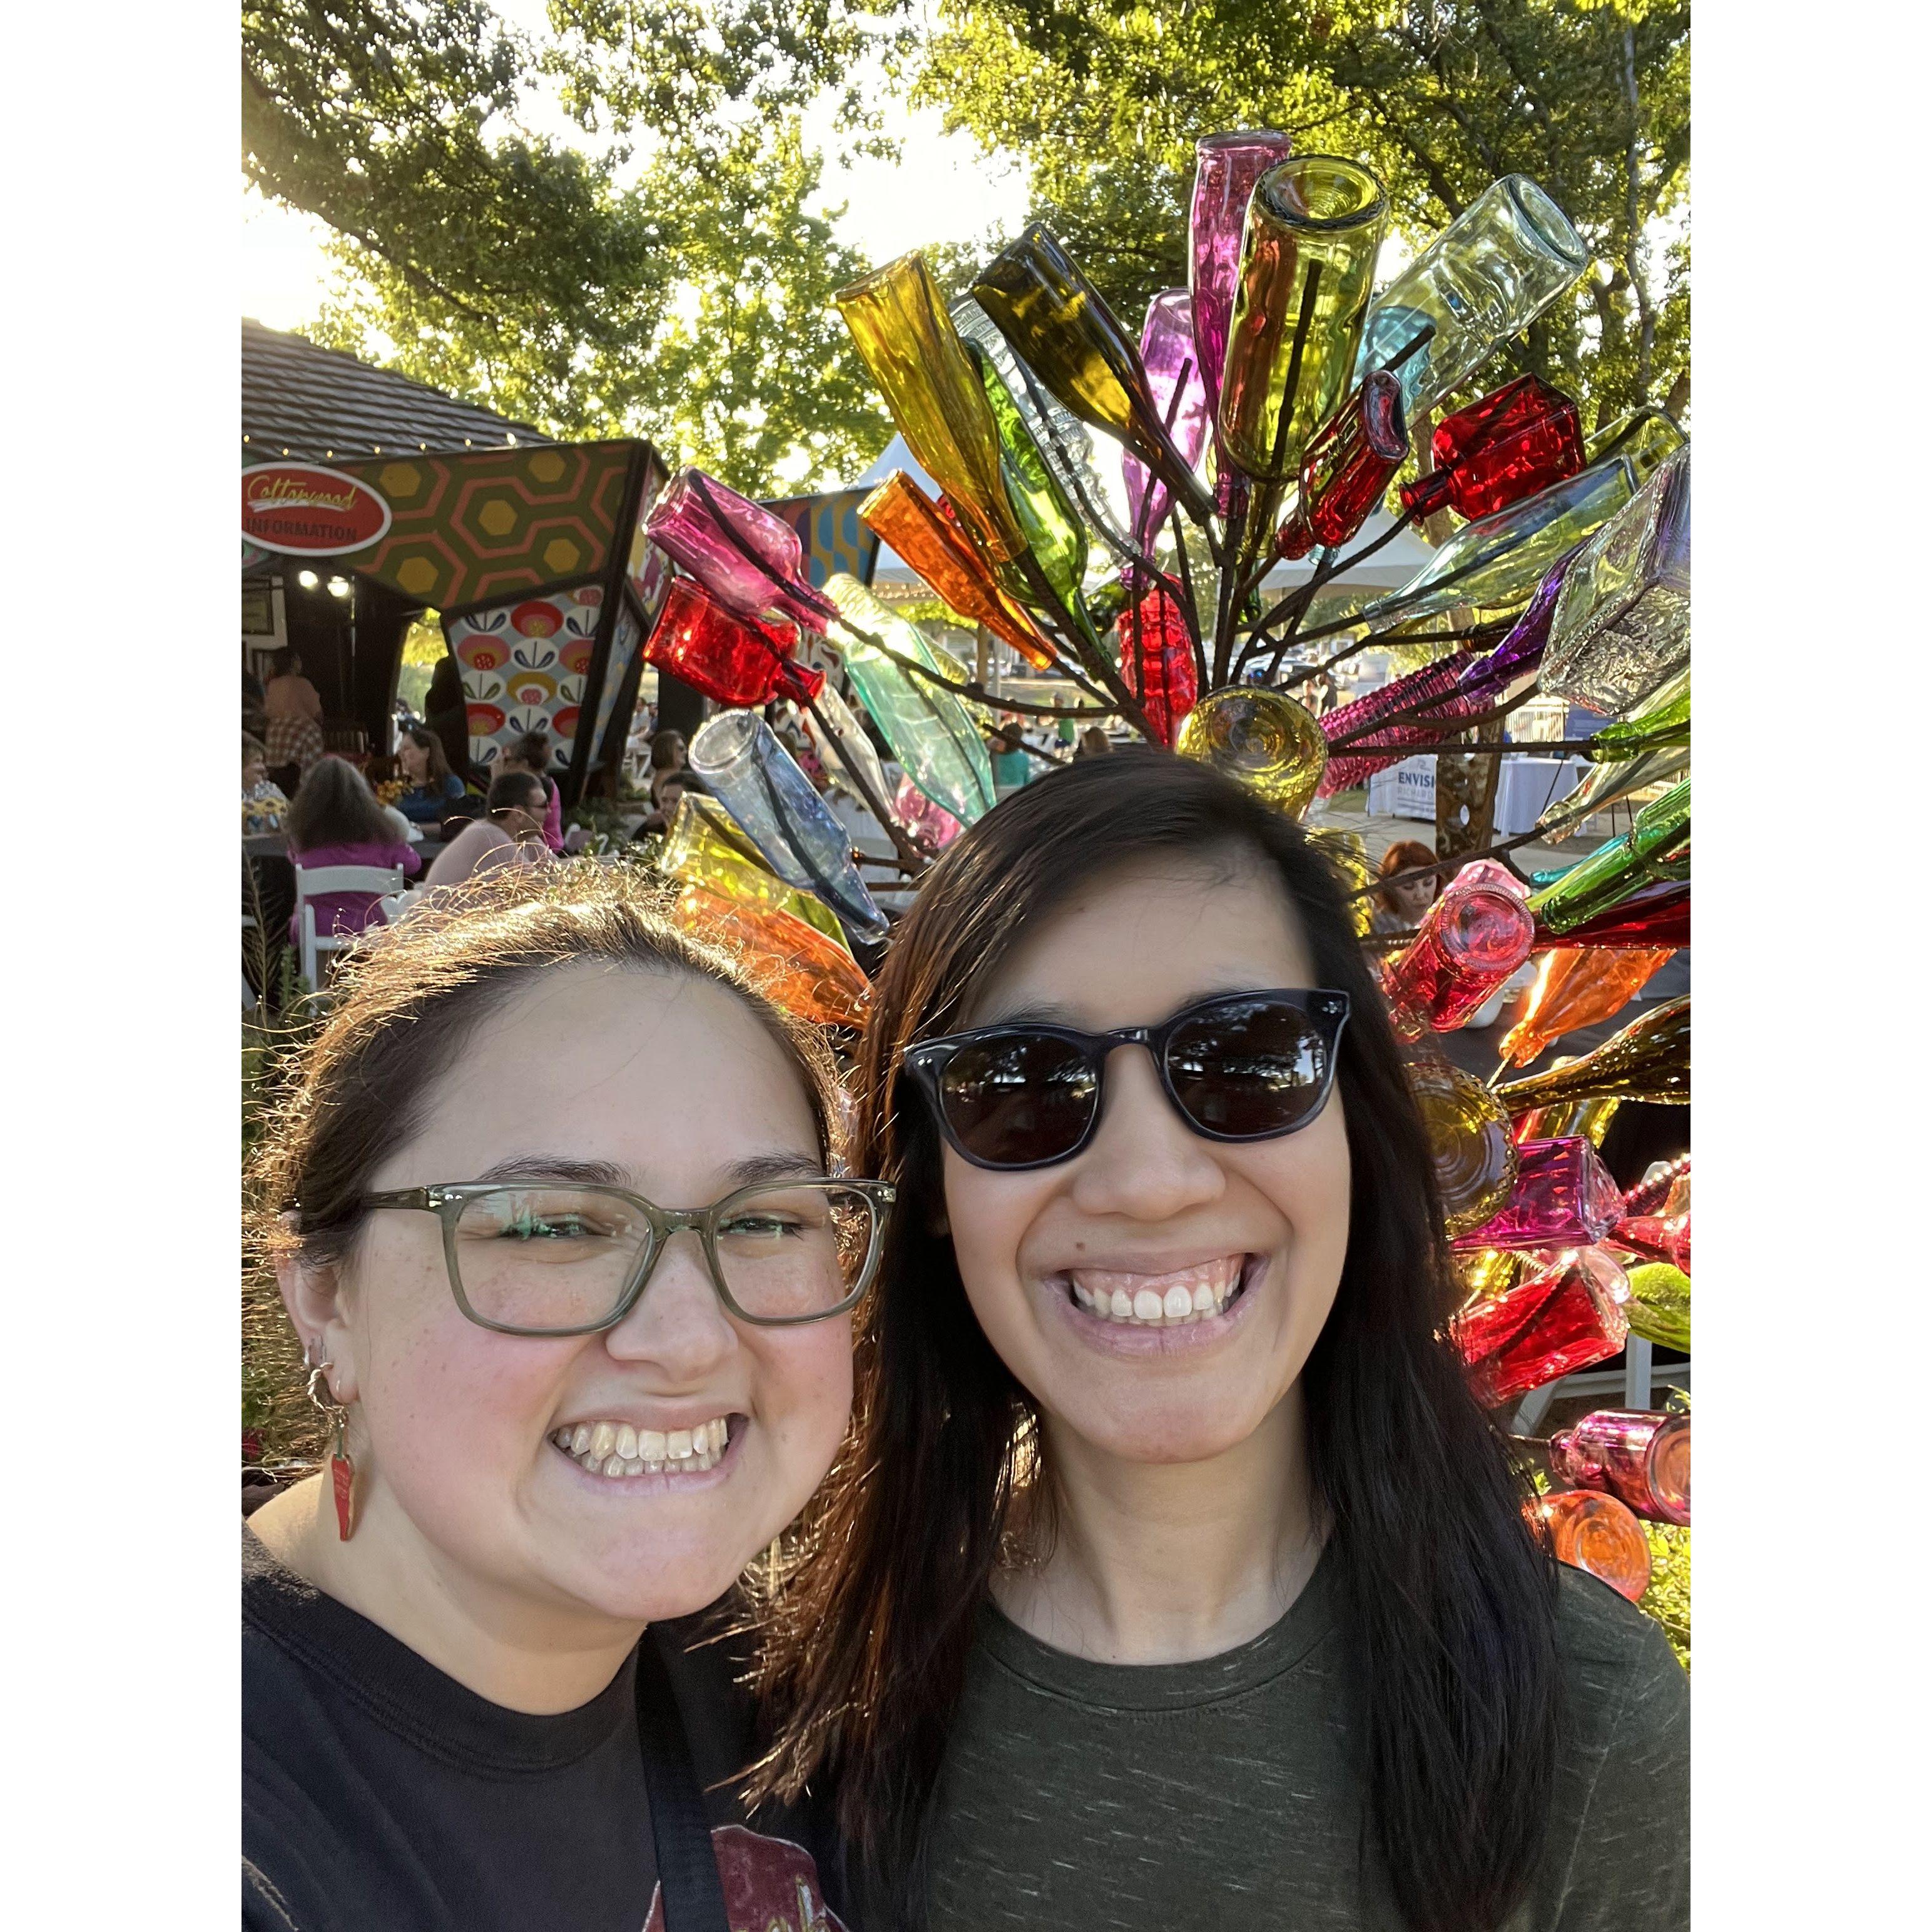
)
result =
(1529, 786)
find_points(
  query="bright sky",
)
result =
(942, 191)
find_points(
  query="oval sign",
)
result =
(303, 510)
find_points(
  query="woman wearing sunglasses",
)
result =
(1177, 1579)
(583, 1357)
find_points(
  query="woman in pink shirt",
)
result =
(335, 820)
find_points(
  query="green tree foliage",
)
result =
(1591, 98)
(688, 298)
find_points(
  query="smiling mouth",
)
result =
(616, 1449)
(1184, 1297)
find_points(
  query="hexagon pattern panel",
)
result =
(523, 665)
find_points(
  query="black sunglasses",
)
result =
(1240, 1066)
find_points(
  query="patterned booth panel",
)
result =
(523, 664)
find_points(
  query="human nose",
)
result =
(678, 1321)
(1143, 1161)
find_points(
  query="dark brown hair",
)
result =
(334, 806)
(532, 749)
(1448, 1603)
(404, 1009)
(424, 740)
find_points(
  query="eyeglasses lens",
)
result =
(796, 1250)
(1248, 1070)
(1019, 1099)
(547, 1257)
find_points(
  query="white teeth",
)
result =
(620, 1449)
(1200, 1295)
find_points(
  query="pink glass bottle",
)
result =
(748, 560)
(1516, 440)
(1350, 462)
(1641, 1457)
(1563, 1318)
(1469, 942)
(1655, 1237)
(732, 660)
(1564, 1198)
(1175, 375)
(1590, 1530)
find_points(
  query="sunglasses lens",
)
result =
(1019, 1099)
(1249, 1069)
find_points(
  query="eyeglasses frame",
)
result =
(1327, 1007)
(446, 1200)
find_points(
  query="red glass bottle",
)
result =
(1641, 1457)
(1655, 1237)
(1516, 440)
(1157, 660)
(1652, 916)
(1350, 460)
(1470, 941)
(732, 660)
(1561, 1318)
(1564, 1198)
(1590, 1530)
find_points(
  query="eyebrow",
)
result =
(1055, 1012)
(779, 1164)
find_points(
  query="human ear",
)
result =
(312, 1294)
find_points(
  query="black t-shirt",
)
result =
(377, 1792)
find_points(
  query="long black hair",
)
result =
(1449, 1600)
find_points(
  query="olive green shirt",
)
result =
(1221, 1795)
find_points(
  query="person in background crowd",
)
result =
(673, 788)
(513, 834)
(444, 712)
(531, 753)
(1064, 733)
(433, 788)
(262, 801)
(1012, 767)
(667, 754)
(292, 707)
(466, 1700)
(1398, 907)
(1093, 742)
(337, 820)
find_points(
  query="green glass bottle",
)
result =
(1060, 327)
(1495, 563)
(1660, 1304)
(1649, 1060)
(1642, 437)
(1658, 846)
(1308, 264)
(1662, 718)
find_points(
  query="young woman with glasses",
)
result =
(1176, 1578)
(583, 1358)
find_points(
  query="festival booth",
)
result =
(368, 499)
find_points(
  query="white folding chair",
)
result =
(311, 881)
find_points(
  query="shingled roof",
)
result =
(300, 400)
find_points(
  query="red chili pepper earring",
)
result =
(341, 1467)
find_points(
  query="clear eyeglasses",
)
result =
(563, 1258)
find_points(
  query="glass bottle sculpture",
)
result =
(1486, 277)
(1604, 785)
(1640, 1457)
(1060, 437)
(1665, 1188)
(935, 741)
(1552, 1322)
(1157, 660)
(1496, 563)
(1662, 718)
(793, 964)
(908, 342)
(837, 735)
(1469, 941)
(1652, 916)
(1350, 461)
(1262, 738)
(1486, 1273)
(1649, 1060)
(1581, 1120)
(1622, 625)
(758, 781)
(1516, 440)
(910, 522)
(1469, 1143)
(1655, 1237)
(1578, 986)
(705, 846)
(1643, 437)
(1308, 263)
(1058, 324)
(732, 660)
(1655, 849)
(1660, 1304)
(1590, 1530)
(1226, 167)
(1173, 366)
(1564, 1198)
(914, 810)
(749, 561)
